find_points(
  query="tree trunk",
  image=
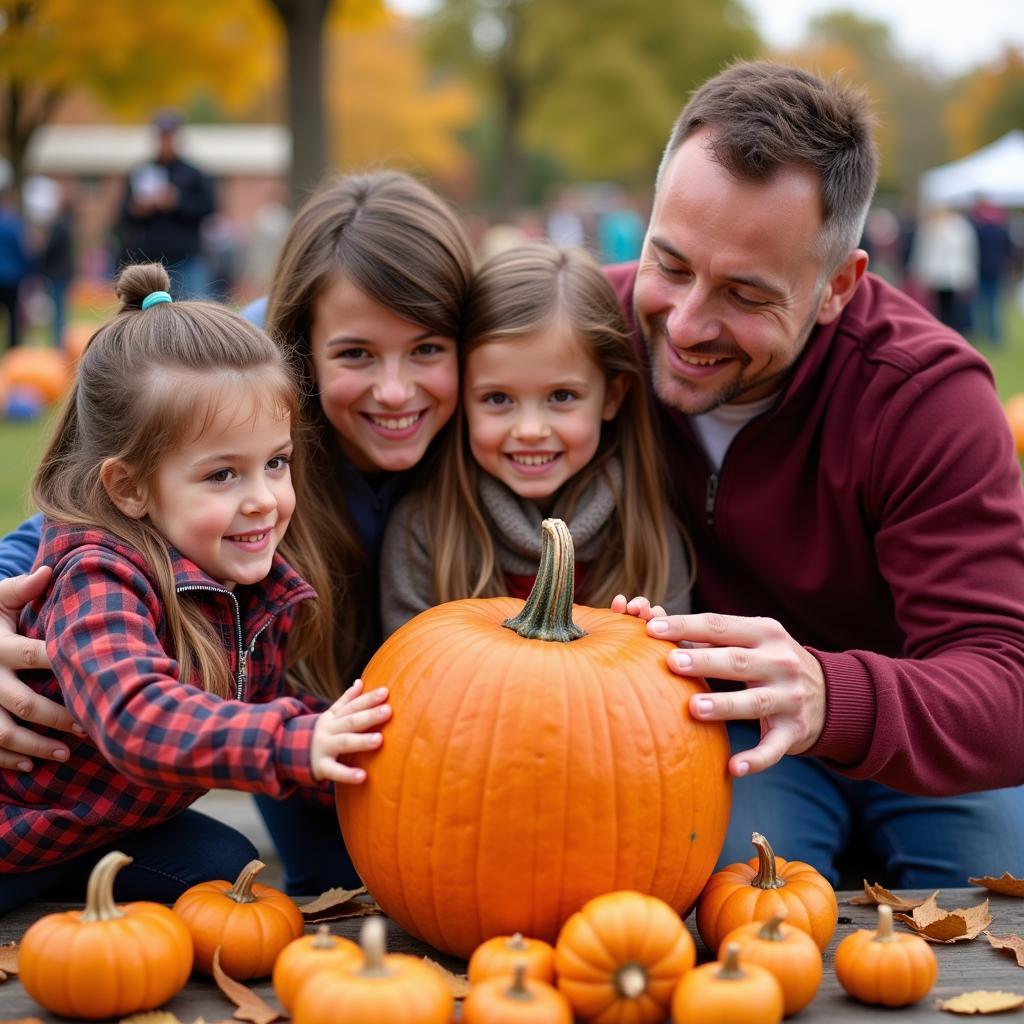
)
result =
(511, 102)
(303, 23)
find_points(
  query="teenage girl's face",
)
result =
(534, 407)
(387, 386)
(224, 499)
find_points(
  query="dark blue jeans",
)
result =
(813, 814)
(166, 860)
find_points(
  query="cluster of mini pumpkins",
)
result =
(623, 957)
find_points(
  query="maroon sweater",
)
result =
(876, 511)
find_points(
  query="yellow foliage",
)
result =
(965, 119)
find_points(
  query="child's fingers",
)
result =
(361, 703)
(338, 772)
(360, 721)
(354, 743)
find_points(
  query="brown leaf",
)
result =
(250, 1006)
(1014, 943)
(982, 1002)
(933, 923)
(9, 958)
(878, 895)
(336, 904)
(458, 984)
(1005, 884)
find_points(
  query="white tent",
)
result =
(995, 171)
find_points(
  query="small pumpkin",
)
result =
(515, 999)
(885, 967)
(303, 957)
(728, 992)
(251, 923)
(381, 989)
(620, 956)
(762, 887)
(498, 958)
(105, 960)
(788, 952)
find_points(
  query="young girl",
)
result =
(167, 489)
(554, 422)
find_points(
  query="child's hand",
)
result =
(638, 606)
(342, 729)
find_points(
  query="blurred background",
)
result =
(534, 117)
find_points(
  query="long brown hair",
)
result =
(515, 293)
(401, 245)
(147, 381)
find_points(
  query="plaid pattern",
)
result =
(153, 744)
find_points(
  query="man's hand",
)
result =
(18, 652)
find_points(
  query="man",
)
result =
(844, 466)
(164, 206)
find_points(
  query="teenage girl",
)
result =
(168, 489)
(553, 422)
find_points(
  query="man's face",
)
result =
(728, 287)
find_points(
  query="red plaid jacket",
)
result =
(153, 744)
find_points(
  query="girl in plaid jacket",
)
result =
(167, 490)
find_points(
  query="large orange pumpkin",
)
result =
(528, 769)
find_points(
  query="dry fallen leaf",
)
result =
(336, 904)
(1005, 884)
(982, 1002)
(9, 958)
(1014, 943)
(458, 984)
(152, 1017)
(250, 1006)
(933, 923)
(878, 895)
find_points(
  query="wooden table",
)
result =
(963, 966)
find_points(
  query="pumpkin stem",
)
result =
(884, 932)
(99, 894)
(631, 981)
(770, 930)
(323, 938)
(241, 891)
(372, 939)
(767, 876)
(547, 614)
(516, 942)
(730, 969)
(518, 990)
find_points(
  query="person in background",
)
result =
(14, 263)
(56, 262)
(944, 261)
(165, 203)
(995, 257)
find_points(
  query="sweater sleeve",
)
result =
(123, 687)
(406, 565)
(19, 548)
(945, 489)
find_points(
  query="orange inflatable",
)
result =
(1014, 409)
(44, 369)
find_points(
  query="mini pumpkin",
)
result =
(105, 960)
(728, 992)
(885, 967)
(305, 956)
(763, 887)
(620, 956)
(515, 999)
(499, 957)
(788, 952)
(251, 923)
(384, 988)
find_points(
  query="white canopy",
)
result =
(995, 171)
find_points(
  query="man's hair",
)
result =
(763, 117)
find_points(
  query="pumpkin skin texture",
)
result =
(789, 953)
(305, 956)
(728, 992)
(251, 923)
(886, 967)
(763, 887)
(105, 961)
(520, 777)
(619, 959)
(499, 957)
(515, 999)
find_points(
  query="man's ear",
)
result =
(614, 395)
(121, 485)
(841, 286)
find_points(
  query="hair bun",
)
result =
(136, 280)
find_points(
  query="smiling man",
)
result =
(844, 467)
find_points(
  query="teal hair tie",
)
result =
(155, 298)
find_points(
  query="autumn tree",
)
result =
(988, 104)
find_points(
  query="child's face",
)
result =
(387, 386)
(224, 500)
(534, 406)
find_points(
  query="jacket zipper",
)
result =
(710, 495)
(242, 671)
